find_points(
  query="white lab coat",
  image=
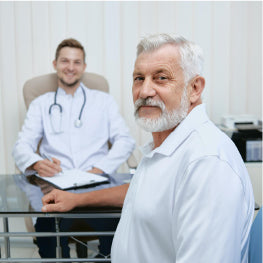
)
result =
(190, 200)
(81, 148)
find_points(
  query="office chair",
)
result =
(45, 83)
(255, 245)
(39, 85)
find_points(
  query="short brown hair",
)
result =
(70, 42)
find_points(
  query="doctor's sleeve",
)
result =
(122, 142)
(209, 214)
(28, 139)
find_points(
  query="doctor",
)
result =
(75, 124)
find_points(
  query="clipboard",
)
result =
(74, 178)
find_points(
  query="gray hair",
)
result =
(192, 59)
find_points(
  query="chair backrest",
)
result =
(39, 85)
(255, 245)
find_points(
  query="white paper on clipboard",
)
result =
(74, 178)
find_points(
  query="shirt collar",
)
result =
(193, 120)
(78, 92)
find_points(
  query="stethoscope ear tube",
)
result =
(78, 122)
(55, 104)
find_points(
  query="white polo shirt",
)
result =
(190, 201)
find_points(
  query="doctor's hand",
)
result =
(47, 168)
(96, 170)
(58, 201)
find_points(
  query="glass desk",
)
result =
(18, 194)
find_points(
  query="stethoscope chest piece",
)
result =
(78, 123)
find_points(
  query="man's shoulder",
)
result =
(212, 136)
(43, 98)
(210, 141)
(98, 94)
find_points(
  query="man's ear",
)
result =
(55, 64)
(197, 87)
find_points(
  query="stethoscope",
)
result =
(78, 122)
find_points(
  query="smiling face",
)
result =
(70, 67)
(159, 92)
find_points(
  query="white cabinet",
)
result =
(255, 173)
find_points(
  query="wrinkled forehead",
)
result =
(165, 55)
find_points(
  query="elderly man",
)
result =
(190, 199)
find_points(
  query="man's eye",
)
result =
(138, 78)
(162, 78)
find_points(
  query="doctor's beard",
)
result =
(167, 120)
(69, 85)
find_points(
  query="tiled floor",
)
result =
(22, 252)
(29, 250)
(25, 248)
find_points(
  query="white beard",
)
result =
(167, 120)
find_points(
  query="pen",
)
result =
(47, 157)
(50, 159)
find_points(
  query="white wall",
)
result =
(229, 32)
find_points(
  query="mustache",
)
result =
(148, 102)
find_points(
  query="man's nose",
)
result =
(147, 89)
(71, 66)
